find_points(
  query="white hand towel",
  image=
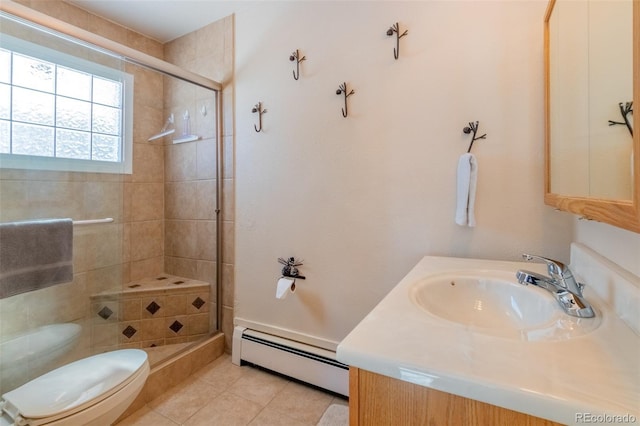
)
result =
(466, 190)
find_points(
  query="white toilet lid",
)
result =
(74, 384)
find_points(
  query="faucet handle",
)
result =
(555, 268)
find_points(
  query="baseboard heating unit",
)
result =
(300, 361)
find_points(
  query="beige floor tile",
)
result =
(225, 410)
(301, 402)
(340, 401)
(221, 373)
(184, 400)
(258, 386)
(336, 415)
(270, 417)
(146, 417)
(224, 394)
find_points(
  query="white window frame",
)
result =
(33, 162)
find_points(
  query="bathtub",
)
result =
(156, 311)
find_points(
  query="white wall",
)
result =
(363, 198)
(618, 245)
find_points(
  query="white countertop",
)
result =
(595, 373)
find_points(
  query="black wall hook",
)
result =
(260, 111)
(473, 127)
(342, 89)
(295, 56)
(395, 28)
(625, 110)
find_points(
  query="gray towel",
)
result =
(35, 255)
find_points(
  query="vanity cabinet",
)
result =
(379, 400)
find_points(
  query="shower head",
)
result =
(166, 130)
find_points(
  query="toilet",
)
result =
(91, 391)
(35, 351)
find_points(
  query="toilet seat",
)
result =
(74, 387)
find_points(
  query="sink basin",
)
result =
(493, 302)
(484, 301)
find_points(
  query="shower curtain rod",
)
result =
(129, 54)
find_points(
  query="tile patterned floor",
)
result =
(224, 394)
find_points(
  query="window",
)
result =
(59, 112)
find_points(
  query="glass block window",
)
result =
(57, 107)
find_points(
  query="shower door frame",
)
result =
(136, 57)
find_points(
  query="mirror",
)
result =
(592, 86)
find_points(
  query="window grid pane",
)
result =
(5, 101)
(33, 73)
(105, 148)
(73, 84)
(5, 137)
(31, 106)
(29, 139)
(107, 92)
(73, 144)
(56, 111)
(73, 114)
(5, 66)
(106, 120)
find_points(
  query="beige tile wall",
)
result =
(152, 315)
(190, 187)
(136, 201)
(139, 243)
(105, 256)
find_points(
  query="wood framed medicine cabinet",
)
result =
(580, 176)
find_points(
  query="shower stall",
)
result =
(129, 147)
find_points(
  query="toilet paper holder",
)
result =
(290, 268)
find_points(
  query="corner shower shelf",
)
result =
(187, 138)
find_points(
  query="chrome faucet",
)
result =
(561, 283)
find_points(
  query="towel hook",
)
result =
(473, 127)
(625, 110)
(395, 28)
(295, 56)
(260, 111)
(342, 89)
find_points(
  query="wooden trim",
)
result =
(621, 213)
(383, 400)
(547, 98)
(354, 397)
(636, 115)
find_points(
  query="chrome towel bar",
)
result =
(93, 221)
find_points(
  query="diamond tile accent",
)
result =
(153, 307)
(105, 313)
(176, 326)
(198, 303)
(129, 331)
